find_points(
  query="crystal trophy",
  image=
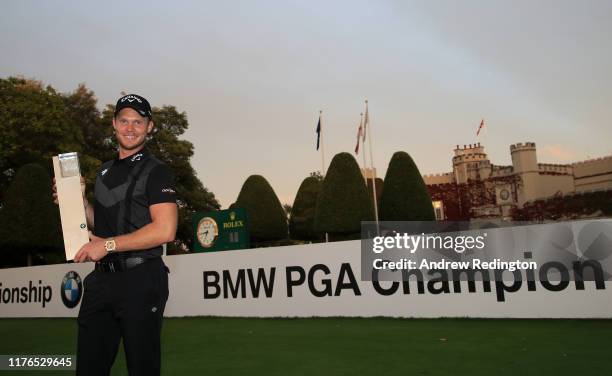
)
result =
(70, 198)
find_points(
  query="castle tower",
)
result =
(525, 165)
(470, 163)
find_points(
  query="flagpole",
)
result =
(481, 129)
(322, 148)
(363, 152)
(367, 120)
(485, 138)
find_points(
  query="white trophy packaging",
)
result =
(70, 198)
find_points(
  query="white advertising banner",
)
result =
(42, 291)
(305, 281)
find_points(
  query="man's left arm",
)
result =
(161, 230)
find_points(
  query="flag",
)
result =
(359, 133)
(480, 127)
(318, 132)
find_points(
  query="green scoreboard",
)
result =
(220, 230)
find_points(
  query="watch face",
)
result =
(208, 232)
(504, 194)
(110, 245)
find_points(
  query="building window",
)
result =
(439, 210)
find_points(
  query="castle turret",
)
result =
(525, 165)
(470, 163)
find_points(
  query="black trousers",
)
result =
(129, 305)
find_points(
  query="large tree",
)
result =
(267, 219)
(404, 196)
(29, 221)
(343, 202)
(35, 124)
(82, 107)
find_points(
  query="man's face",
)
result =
(131, 129)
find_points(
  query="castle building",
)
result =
(476, 188)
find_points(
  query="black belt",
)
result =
(119, 265)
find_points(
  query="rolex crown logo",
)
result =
(232, 216)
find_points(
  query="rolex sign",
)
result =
(220, 230)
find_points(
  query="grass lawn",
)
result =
(348, 346)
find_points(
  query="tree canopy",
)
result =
(34, 125)
(404, 196)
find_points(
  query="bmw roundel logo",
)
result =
(72, 289)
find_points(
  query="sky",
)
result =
(252, 76)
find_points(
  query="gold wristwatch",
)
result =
(110, 245)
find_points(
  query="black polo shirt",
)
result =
(125, 189)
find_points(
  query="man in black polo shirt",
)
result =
(134, 214)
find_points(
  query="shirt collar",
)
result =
(133, 158)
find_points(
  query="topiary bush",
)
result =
(301, 222)
(404, 196)
(267, 219)
(343, 201)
